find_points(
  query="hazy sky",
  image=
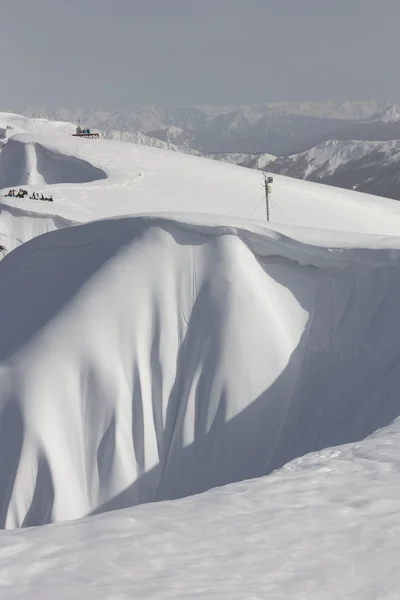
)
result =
(111, 53)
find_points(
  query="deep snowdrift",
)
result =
(147, 359)
(25, 163)
(325, 528)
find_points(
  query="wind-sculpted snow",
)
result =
(145, 359)
(17, 225)
(30, 163)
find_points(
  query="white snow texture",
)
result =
(161, 340)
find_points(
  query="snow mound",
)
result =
(12, 124)
(24, 163)
(145, 359)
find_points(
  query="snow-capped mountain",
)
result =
(372, 167)
(278, 128)
(391, 115)
(163, 339)
(185, 140)
(152, 140)
(380, 128)
(237, 136)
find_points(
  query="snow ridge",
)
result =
(153, 391)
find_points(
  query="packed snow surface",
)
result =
(325, 528)
(164, 340)
(12, 124)
(94, 179)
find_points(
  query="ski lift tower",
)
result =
(268, 181)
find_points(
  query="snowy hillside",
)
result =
(162, 339)
(365, 166)
(11, 124)
(380, 128)
(332, 156)
(324, 528)
(303, 136)
(185, 140)
(91, 179)
(146, 140)
(242, 159)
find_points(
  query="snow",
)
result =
(94, 179)
(138, 138)
(162, 340)
(197, 117)
(190, 358)
(329, 156)
(323, 529)
(11, 124)
(391, 115)
(325, 159)
(260, 161)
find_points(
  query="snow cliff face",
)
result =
(144, 360)
(151, 356)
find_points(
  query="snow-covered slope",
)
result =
(333, 138)
(366, 166)
(390, 115)
(185, 140)
(93, 179)
(371, 167)
(329, 157)
(143, 139)
(382, 127)
(242, 159)
(153, 357)
(173, 341)
(323, 529)
(11, 124)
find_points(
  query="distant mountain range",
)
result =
(277, 128)
(347, 144)
(372, 167)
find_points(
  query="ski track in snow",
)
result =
(161, 340)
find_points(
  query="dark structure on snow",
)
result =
(86, 133)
